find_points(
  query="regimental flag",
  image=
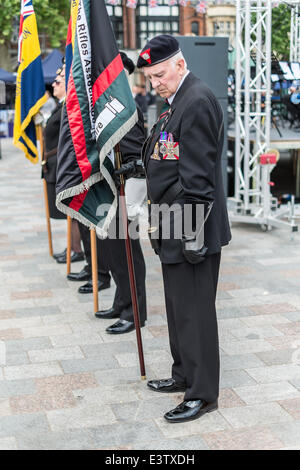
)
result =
(30, 86)
(98, 113)
(71, 39)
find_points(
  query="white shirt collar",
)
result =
(170, 100)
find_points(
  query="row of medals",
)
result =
(167, 147)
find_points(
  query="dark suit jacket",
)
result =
(132, 142)
(51, 135)
(196, 122)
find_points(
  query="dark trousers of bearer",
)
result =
(115, 256)
(103, 275)
(111, 255)
(190, 295)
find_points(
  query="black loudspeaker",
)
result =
(207, 58)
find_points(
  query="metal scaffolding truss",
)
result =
(253, 201)
(295, 32)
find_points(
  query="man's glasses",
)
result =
(57, 82)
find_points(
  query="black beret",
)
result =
(157, 50)
(127, 62)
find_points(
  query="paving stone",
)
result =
(11, 333)
(31, 371)
(16, 359)
(193, 443)
(96, 350)
(130, 359)
(59, 354)
(66, 440)
(278, 357)
(288, 433)
(267, 392)
(22, 424)
(118, 376)
(246, 346)
(103, 362)
(23, 345)
(256, 415)
(229, 399)
(257, 438)
(107, 395)
(84, 416)
(143, 410)
(77, 339)
(9, 388)
(240, 361)
(37, 311)
(5, 409)
(48, 330)
(235, 378)
(261, 320)
(292, 316)
(8, 443)
(275, 373)
(273, 308)
(292, 407)
(295, 382)
(119, 434)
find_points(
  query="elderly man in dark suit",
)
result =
(182, 157)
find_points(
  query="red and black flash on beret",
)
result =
(157, 50)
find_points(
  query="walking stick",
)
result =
(94, 269)
(40, 137)
(131, 273)
(69, 241)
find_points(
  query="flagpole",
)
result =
(94, 269)
(69, 241)
(40, 137)
(131, 272)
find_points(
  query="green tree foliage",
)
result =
(281, 25)
(52, 19)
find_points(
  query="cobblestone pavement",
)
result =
(66, 384)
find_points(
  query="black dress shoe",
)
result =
(121, 326)
(74, 257)
(83, 275)
(166, 386)
(88, 287)
(59, 255)
(110, 313)
(189, 410)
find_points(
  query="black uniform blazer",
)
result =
(132, 142)
(51, 135)
(196, 122)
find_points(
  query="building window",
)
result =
(195, 28)
(153, 21)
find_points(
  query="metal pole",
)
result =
(69, 242)
(94, 269)
(266, 169)
(41, 139)
(130, 264)
(247, 106)
(238, 82)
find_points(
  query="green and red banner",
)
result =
(98, 113)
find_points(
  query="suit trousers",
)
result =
(115, 256)
(190, 295)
